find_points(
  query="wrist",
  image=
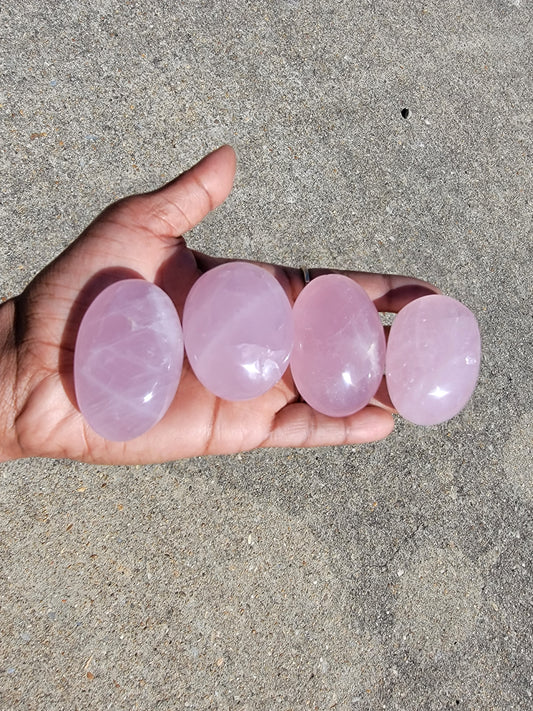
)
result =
(9, 448)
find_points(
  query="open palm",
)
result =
(141, 236)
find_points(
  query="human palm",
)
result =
(141, 236)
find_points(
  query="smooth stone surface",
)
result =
(433, 358)
(339, 349)
(238, 330)
(128, 359)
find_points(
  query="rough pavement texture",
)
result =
(389, 576)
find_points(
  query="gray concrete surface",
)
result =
(389, 576)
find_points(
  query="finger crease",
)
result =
(346, 430)
(311, 428)
(212, 425)
(181, 211)
(204, 189)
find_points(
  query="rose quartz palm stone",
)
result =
(238, 330)
(433, 357)
(128, 359)
(339, 349)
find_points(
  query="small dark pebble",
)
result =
(405, 113)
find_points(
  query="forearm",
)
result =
(9, 448)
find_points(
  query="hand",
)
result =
(141, 235)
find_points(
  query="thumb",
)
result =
(178, 206)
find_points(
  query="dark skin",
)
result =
(142, 236)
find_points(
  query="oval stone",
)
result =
(339, 346)
(238, 330)
(128, 359)
(433, 358)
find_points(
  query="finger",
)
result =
(298, 425)
(389, 292)
(181, 204)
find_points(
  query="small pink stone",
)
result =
(433, 358)
(238, 330)
(339, 349)
(128, 359)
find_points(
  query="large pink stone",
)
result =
(433, 357)
(128, 359)
(238, 331)
(339, 348)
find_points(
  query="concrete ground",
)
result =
(391, 576)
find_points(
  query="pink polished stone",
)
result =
(433, 357)
(128, 359)
(339, 347)
(238, 331)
